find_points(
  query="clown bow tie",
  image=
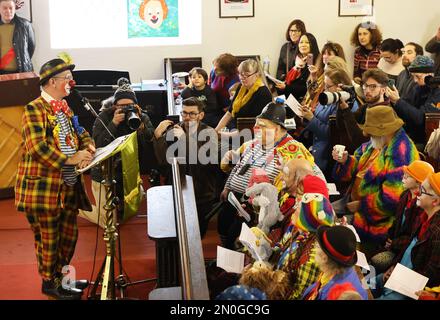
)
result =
(59, 106)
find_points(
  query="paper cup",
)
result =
(340, 150)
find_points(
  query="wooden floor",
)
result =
(19, 279)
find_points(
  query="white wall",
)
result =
(408, 20)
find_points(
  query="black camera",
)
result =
(131, 117)
(431, 81)
(348, 95)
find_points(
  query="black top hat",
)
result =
(275, 112)
(52, 68)
(339, 244)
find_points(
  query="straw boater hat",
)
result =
(381, 121)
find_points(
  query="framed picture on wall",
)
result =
(236, 8)
(356, 8)
(24, 9)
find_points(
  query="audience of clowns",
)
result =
(307, 239)
(389, 211)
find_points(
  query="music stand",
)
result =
(106, 274)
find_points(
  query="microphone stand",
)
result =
(106, 274)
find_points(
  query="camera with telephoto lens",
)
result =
(131, 116)
(348, 94)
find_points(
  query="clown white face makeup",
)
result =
(154, 14)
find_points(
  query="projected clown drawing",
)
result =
(153, 18)
(153, 12)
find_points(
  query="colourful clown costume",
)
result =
(48, 190)
(377, 184)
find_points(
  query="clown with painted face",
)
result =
(153, 12)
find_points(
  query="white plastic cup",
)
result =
(340, 150)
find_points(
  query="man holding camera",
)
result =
(374, 86)
(426, 98)
(189, 137)
(121, 115)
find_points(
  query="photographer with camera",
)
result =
(337, 88)
(196, 142)
(374, 83)
(122, 115)
(426, 98)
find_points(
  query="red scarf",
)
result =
(292, 75)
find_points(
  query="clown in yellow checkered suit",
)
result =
(47, 188)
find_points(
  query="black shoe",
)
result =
(54, 289)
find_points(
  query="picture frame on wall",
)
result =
(356, 8)
(236, 8)
(24, 9)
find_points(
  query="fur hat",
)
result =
(419, 170)
(381, 121)
(315, 210)
(422, 64)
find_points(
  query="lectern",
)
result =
(16, 90)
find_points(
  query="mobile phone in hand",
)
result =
(391, 83)
(310, 59)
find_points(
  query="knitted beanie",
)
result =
(315, 210)
(419, 170)
(124, 91)
(422, 64)
(434, 181)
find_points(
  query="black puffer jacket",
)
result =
(24, 43)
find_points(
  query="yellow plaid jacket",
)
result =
(39, 178)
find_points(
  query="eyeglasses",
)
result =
(294, 31)
(191, 115)
(422, 190)
(67, 77)
(245, 76)
(371, 87)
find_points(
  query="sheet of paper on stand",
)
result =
(237, 205)
(272, 78)
(362, 260)
(406, 281)
(102, 153)
(248, 239)
(293, 104)
(229, 260)
(332, 190)
(349, 226)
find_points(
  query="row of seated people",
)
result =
(372, 218)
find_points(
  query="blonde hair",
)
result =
(335, 62)
(253, 66)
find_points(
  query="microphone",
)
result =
(88, 106)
